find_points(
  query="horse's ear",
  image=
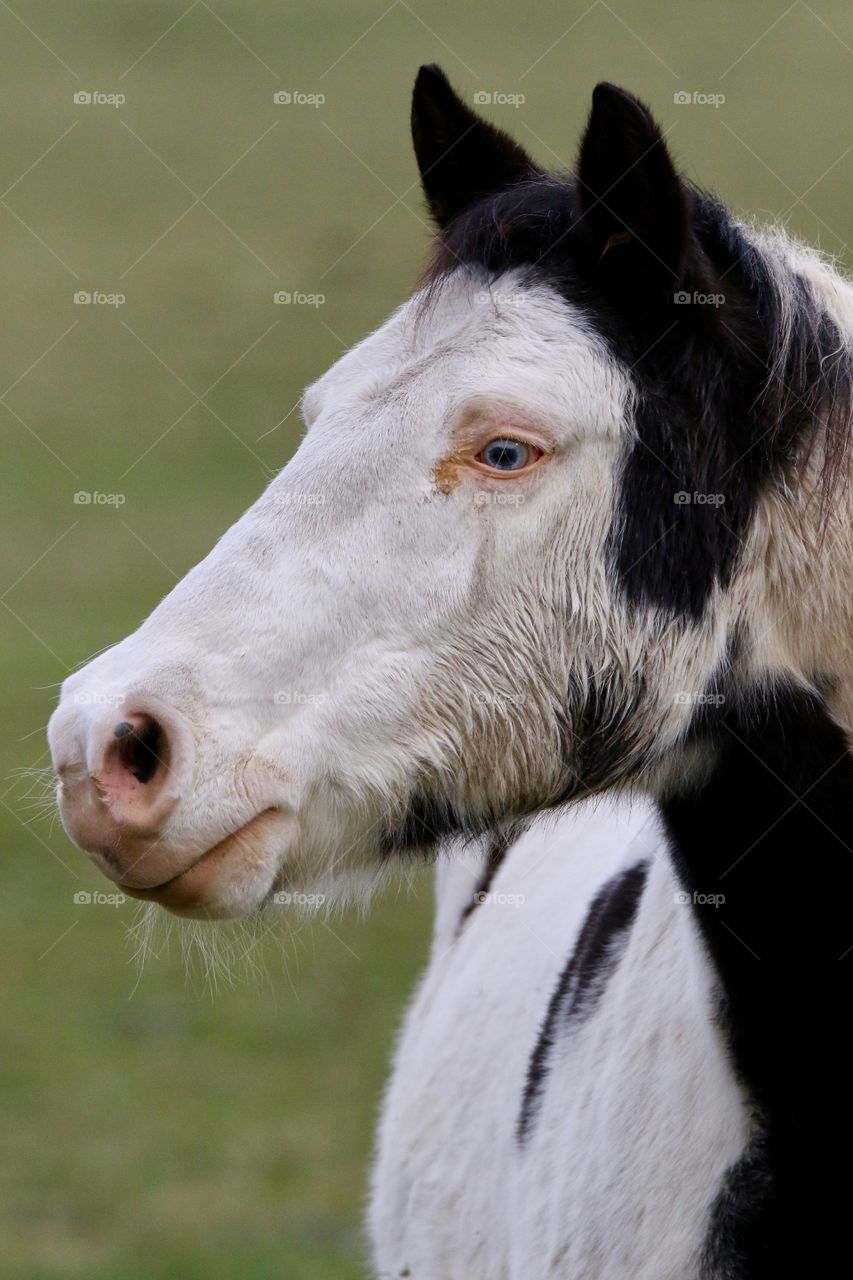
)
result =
(634, 208)
(460, 156)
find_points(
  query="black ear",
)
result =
(460, 156)
(633, 204)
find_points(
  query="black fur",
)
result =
(582, 983)
(772, 829)
(459, 155)
(498, 849)
(728, 398)
(748, 1186)
(602, 734)
(426, 822)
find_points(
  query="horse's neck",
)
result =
(771, 828)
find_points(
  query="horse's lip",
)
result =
(183, 889)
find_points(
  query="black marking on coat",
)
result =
(771, 827)
(498, 850)
(748, 1184)
(730, 397)
(597, 952)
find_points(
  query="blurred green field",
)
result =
(152, 1127)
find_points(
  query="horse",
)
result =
(557, 586)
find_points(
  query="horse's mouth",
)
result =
(193, 891)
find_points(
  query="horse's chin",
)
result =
(233, 879)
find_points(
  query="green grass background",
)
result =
(150, 1126)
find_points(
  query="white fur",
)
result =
(640, 1114)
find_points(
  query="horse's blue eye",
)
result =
(506, 455)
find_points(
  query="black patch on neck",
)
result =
(729, 398)
(498, 849)
(598, 950)
(772, 830)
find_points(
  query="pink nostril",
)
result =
(135, 775)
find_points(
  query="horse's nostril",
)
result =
(142, 747)
(123, 775)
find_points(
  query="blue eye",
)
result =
(506, 455)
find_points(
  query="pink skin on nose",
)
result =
(122, 775)
(133, 776)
